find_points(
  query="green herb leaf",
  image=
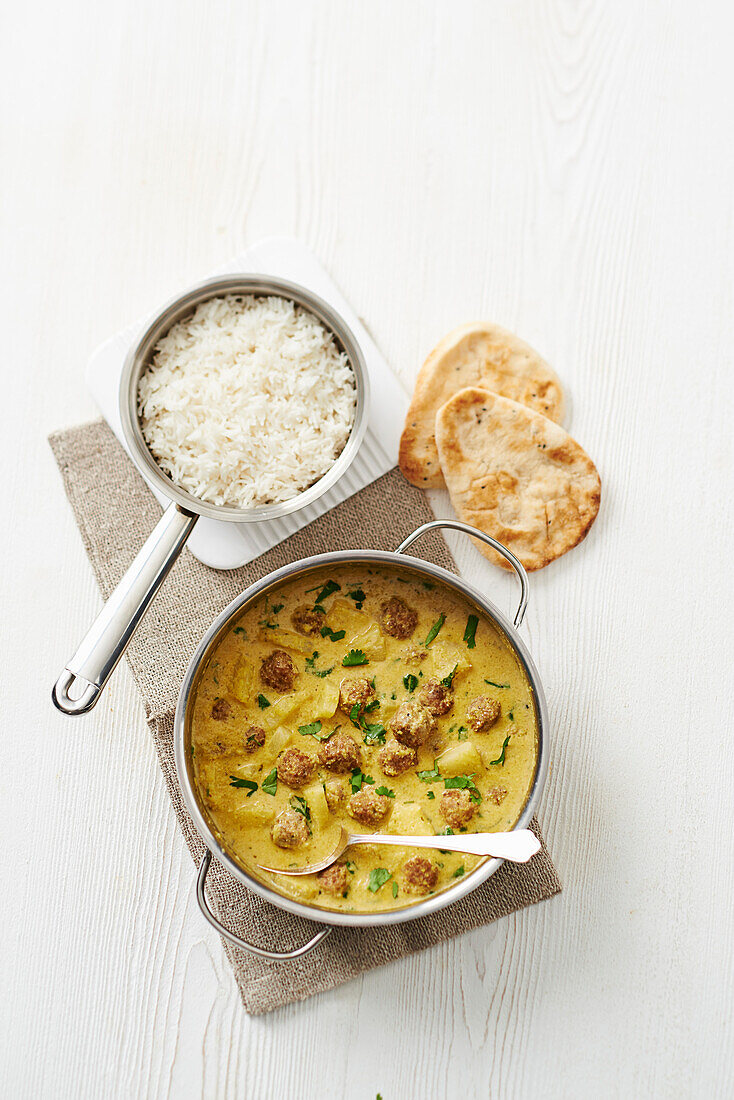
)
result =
(240, 630)
(470, 631)
(447, 680)
(378, 877)
(300, 805)
(410, 682)
(463, 782)
(248, 785)
(358, 596)
(320, 672)
(356, 780)
(351, 867)
(458, 872)
(324, 591)
(335, 635)
(432, 776)
(355, 657)
(430, 794)
(313, 729)
(277, 607)
(494, 685)
(262, 702)
(374, 733)
(448, 831)
(394, 894)
(371, 706)
(501, 758)
(435, 629)
(511, 716)
(462, 734)
(386, 791)
(270, 782)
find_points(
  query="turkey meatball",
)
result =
(221, 710)
(334, 880)
(367, 807)
(340, 753)
(436, 697)
(412, 724)
(254, 738)
(482, 713)
(289, 829)
(397, 619)
(294, 767)
(456, 808)
(497, 795)
(307, 621)
(355, 693)
(419, 875)
(278, 671)
(394, 758)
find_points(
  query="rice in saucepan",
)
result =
(248, 401)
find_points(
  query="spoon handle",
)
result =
(518, 846)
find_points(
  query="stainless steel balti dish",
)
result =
(268, 586)
(79, 686)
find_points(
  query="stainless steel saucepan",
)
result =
(79, 686)
(184, 713)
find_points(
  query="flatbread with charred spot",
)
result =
(517, 476)
(477, 354)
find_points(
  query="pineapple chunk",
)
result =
(243, 682)
(277, 743)
(316, 799)
(281, 710)
(322, 704)
(282, 638)
(445, 658)
(361, 632)
(255, 812)
(407, 820)
(460, 759)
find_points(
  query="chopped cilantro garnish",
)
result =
(374, 733)
(355, 657)
(495, 685)
(463, 782)
(458, 872)
(430, 794)
(410, 682)
(240, 630)
(501, 758)
(313, 729)
(447, 680)
(325, 591)
(432, 776)
(378, 877)
(351, 867)
(262, 702)
(277, 607)
(354, 716)
(246, 784)
(300, 805)
(435, 629)
(335, 635)
(394, 894)
(358, 596)
(371, 706)
(270, 782)
(320, 672)
(462, 733)
(470, 631)
(386, 791)
(358, 778)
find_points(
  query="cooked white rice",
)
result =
(248, 401)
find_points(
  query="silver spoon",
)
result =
(518, 846)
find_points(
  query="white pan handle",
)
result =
(107, 639)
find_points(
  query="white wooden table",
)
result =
(565, 169)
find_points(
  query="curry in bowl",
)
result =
(366, 697)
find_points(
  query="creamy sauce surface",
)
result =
(451, 642)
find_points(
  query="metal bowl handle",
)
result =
(465, 529)
(237, 941)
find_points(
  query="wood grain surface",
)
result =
(564, 169)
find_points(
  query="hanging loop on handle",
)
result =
(107, 639)
(237, 941)
(465, 529)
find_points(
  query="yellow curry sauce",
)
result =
(332, 626)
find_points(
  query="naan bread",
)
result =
(474, 355)
(517, 476)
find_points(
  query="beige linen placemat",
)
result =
(115, 513)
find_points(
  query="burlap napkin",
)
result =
(115, 512)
